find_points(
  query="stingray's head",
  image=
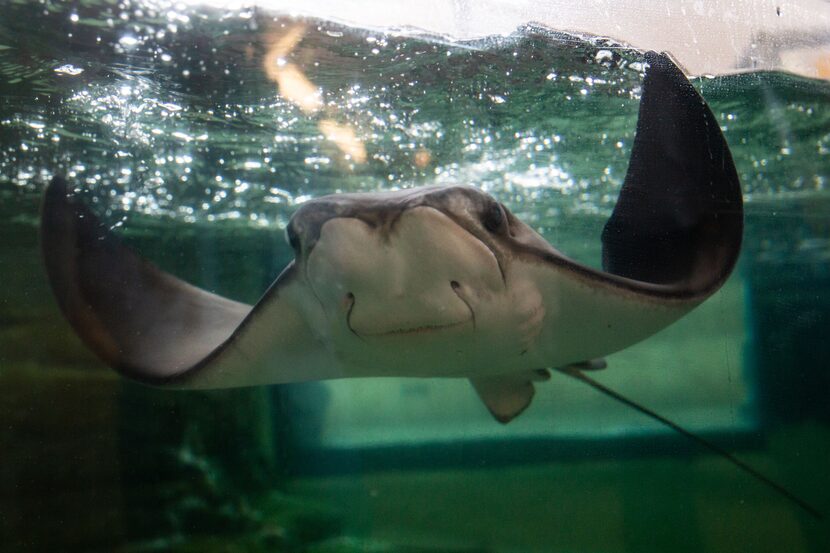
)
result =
(411, 263)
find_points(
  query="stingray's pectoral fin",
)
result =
(144, 322)
(678, 221)
(155, 328)
(508, 396)
(673, 237)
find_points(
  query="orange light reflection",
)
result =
(294, 86)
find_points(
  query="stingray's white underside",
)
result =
(408, 320)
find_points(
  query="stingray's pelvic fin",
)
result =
(508, 396)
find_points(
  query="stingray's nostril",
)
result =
(455, 285)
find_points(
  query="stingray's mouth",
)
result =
(350, 301)
(425, 329)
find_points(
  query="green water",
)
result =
(197, 133)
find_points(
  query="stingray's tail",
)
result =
(576, 372)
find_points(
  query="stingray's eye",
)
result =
(493, 217)
(291, 237)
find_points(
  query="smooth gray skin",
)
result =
(429, 282)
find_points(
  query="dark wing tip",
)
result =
(679, 217)
(140, 320)
(66, 226)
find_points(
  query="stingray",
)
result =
(437, 281)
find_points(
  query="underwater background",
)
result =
(196, 133)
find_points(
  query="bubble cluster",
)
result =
(202, 114)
